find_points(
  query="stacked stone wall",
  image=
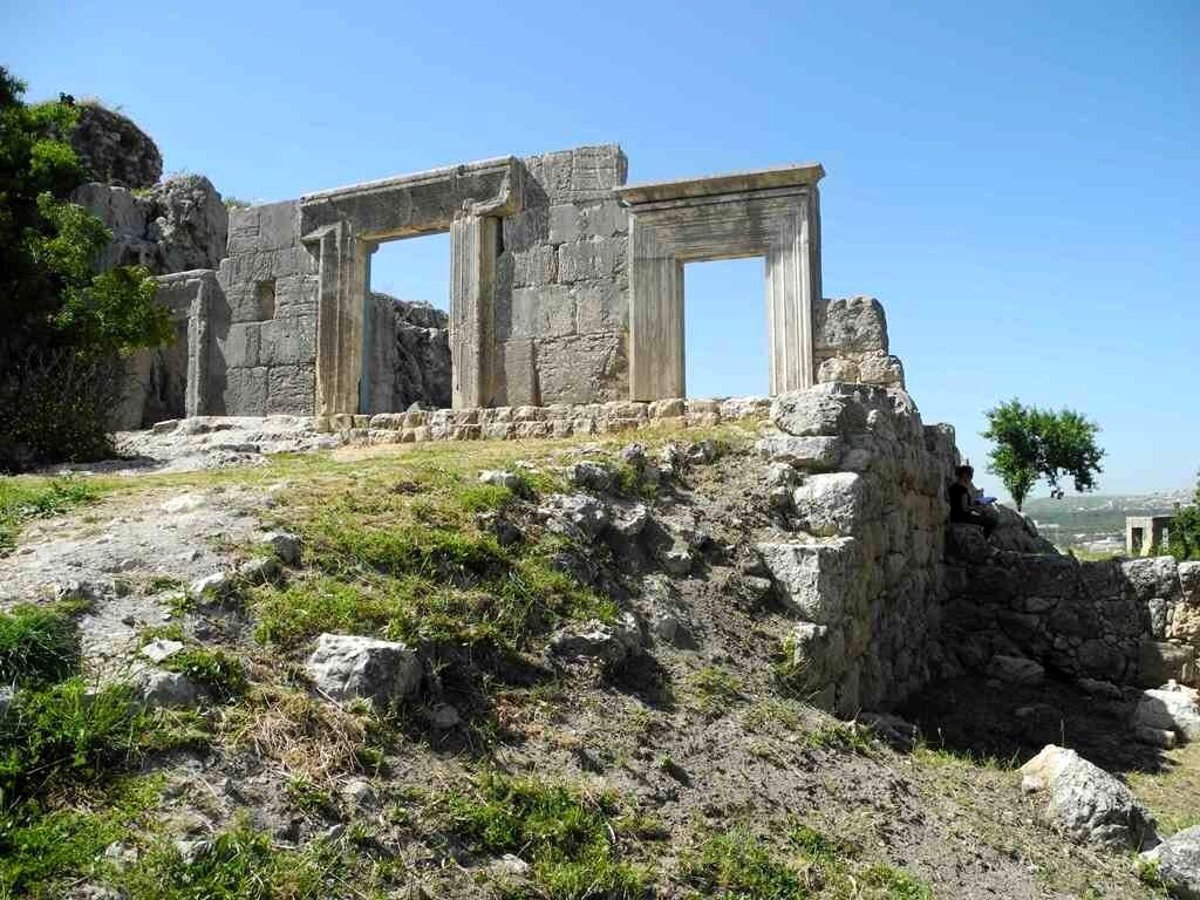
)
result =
(264, 326)
(560, 317)
(860, 489)
(1131, 621)
(850, 343)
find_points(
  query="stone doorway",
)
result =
(772, 213)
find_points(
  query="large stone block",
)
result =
(854, 323)
(537, 312)
(582, 368)
(1151, 577)
(832, 503)
(590, 259)
(828, 409)
(600, 306)
(291, 389)
(534, 267)
(816, 580)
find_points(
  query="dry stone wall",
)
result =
(1133, 621)
(859, 483)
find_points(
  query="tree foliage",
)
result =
(1033, 443)
(60, 319)
(1184, 539)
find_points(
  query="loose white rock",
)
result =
(1178, 859)
(345, 666)
(1086, 802)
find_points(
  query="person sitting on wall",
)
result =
(965, 506)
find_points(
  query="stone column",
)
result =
(793, 274)
(473, 241)
(342, 291)
(656, 352)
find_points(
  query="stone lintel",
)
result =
(791, 176)
(422, 203)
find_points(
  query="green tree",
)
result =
(1032, 443)
(1184, 539)
(63, 325)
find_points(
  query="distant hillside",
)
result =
(1097, 521)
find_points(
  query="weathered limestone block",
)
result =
(1171, 708)
(1177, 862)
(881, 369)
(581, 368)
(816, 654)
(345, 667)
(818, 580)
(811, 453)
(833, 503)
(1086, 802)
(850, 324)
(1151, 577)
(189, 222)
(838, 368)
(828, 409)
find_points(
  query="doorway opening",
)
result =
(725, 328)
(406, 346)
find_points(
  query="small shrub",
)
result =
(37, 646)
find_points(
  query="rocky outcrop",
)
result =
(1086, 802)
(113, 149)
(180, 225)
(409, 359)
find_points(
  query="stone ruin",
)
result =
(566, 318)
(566, 288)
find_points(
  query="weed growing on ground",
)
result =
(22, 499)
(38, 645)
(571, 838)
(737, 865)
(713, 690)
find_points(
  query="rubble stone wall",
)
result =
(1131, 621)
(860, 489)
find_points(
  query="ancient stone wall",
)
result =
(264, 324)
(1134, 621)
(850, 342)
(561, 283)
(860, 488)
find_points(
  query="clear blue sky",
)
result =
(1018, 185)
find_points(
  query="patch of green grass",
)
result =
(736, 865)
(896, 884)
(38, 645)
(1173, 795)
(241, 864)
(572, 839)
(69, 734)
(221, 673)
(713, 690)
(41, 853)
(22, 499)
(835, 735)
(309, 798)
(765, 714)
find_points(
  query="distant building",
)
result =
(1147, 534)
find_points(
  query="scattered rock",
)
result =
(608, 644)
(705, 451)
(894, 731)
(157, 651)
(1086, 802)
(285, 546)
(587, 514)
(510, 480)
(511, 865)
(360, 794)
(1016, 670)
(215, 585)
(261, 570)
(183, 503)
(1172, 707)
(157, 688)
(631, 521)
(1105, 689)
(345, 666)
(677, 559)
(592, 476)
(506, 531)
(1178, 862)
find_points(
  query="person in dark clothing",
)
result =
(964, 507)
